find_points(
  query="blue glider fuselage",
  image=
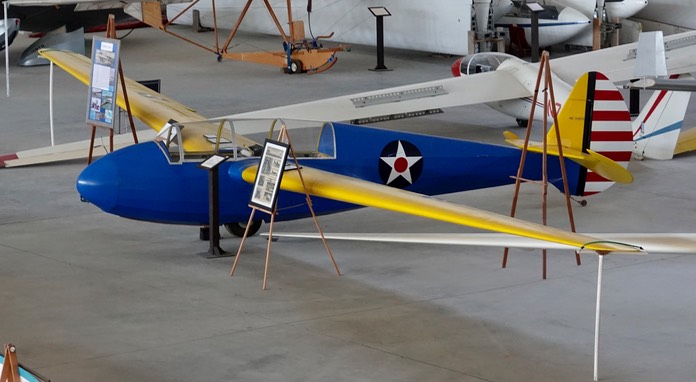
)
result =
(141, 182)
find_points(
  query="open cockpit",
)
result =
(480, 63)
(243, 138)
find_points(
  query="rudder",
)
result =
(605, 138)
(656, 130)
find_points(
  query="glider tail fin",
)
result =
(656, 130)
(595, 132)
(595, 129)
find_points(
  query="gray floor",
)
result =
(89, 296)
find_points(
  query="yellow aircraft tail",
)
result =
(595, 128)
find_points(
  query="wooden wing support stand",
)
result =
(111, 33)
(10, 366)
(549, 101)
(265, 194)
(298, 55)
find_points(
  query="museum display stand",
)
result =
(550, 102)
(550, 108)
(111, 33)
(267, 204)
(10, 366)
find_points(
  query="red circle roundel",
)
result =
(400, 164)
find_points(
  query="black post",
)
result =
(535, 36)
(380, 13)
(380, 44)
(634, 101)
(214, 213)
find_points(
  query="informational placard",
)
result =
(101, 100)
(535, 7)
(379, 11)
(213, 161)
(269, 175)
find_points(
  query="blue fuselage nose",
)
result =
(139, 182)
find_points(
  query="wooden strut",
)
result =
(10, 366)
(111, 33)
(545, 70)
(283, 136)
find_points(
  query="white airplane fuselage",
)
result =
(525, 73)
(625, 9)
(564, 25)
(440, 26)
(621, 9)
(671, 16)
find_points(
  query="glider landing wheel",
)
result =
(581, 202)
(521, 122)
(237, 229)
(295, 67)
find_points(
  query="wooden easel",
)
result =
(10, 366)
(111, 33)
(283, 136)
(545, 71)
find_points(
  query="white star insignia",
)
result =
(400, 164)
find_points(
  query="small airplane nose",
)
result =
(457, 67)
(98, 183)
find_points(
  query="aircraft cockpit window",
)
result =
(169, 138)
(225, 140)
(309, 139)
(550, 12)
(482, 62)
(327, 141)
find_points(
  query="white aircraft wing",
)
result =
(618, 62)
(457, 91)
(70, 151)
(649, 242)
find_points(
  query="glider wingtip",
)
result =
(510, 135)
(5, 158)
(610, 247)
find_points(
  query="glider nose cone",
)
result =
(98, 184)
(457, 67)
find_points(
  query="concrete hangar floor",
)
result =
(89, 296)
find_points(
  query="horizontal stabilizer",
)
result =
(686, 141)
(650, 242)
(591, 160)
(685, 85)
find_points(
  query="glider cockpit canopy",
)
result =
(243, 138)
(481, 62)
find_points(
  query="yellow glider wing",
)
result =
(154, 109)
(351, 190)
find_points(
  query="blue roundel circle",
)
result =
(400, 164)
